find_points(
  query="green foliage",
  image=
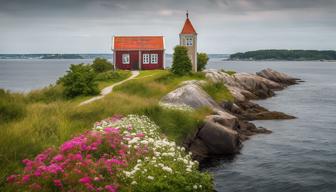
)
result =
(218, 91)
(47, 94)
(101, 65)
(181, 62)
(12, 106)
(113, 75)
(79, 80)
(202, 60)
(46, 125)
(291, 55)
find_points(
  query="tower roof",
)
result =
(188, 27)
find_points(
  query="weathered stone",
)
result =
(219, 139)
(192, 95)
(277, 77)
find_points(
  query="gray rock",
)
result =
(220, 140)
(192, 95)
(277, 76)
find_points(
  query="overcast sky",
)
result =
(223, 26)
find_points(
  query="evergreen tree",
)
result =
(181, 62)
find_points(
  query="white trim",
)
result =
(146, 58)
(125, 55)
(154, 58)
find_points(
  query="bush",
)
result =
(101, 65)
(202, 60)
(181, 62)
(79, 80)
(12, 106)
(112, 75)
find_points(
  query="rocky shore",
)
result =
(223, 132)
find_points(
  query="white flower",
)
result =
(195, 186)
(133, 183)
(150, 177)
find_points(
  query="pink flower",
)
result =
(110, 188)
(11, 178)
(85, 180)
(58, 183)
(25, 178)
(58, 157)
(111, 130)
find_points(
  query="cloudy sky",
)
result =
(224, 26)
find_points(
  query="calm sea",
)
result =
(300, 154)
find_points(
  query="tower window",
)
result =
(125, 58)
(189, 41)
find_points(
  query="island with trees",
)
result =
(284, 54)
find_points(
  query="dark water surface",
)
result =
(300, 154)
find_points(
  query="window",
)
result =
(189, 41)
(145, 58)
(154, 58)
(125, 58)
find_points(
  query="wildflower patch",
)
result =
(119, 154)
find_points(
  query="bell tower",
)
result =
(188, 38)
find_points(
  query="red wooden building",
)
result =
(138, 52)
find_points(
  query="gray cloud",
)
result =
(223, 25)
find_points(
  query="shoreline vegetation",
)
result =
(206, 114)
(285, 55)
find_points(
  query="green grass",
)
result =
(49, 120)
(218, 91)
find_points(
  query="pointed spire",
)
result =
(188, 28)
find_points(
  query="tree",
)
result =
(202, 60)
(101, 65)
(79, 80)
(181, 62)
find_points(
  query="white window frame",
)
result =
(145, 58)
(154, 58)
(189, 41)
(126, 58)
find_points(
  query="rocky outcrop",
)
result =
(278, 77)
(191, 94)
(223, 131)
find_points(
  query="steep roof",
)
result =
(188, 27)
(138, 42)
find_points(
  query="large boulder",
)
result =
(277, 76)
(190, 94)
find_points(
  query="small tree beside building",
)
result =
(101, 65)
(202, 61)
(181, 62)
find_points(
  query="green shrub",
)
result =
(12, 106)
(79, 80)
(181, 62)
(101, 65)
(218, 91)
(202, 60)
(112, 75)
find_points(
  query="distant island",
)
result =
(62, 56)
(283, 54)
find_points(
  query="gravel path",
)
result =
(109, 89)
